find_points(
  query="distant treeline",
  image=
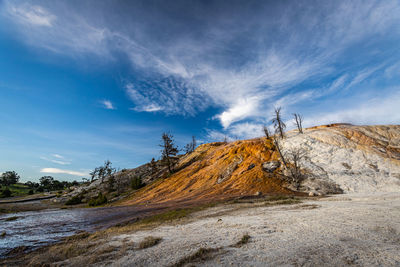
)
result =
(10, 185)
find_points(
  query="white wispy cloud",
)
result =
(61, 171)
(378, 110)
(107, 104)
(64, 33)
(32, 14)
(245, 65)
(363, 75)
(246, 130)
(217, 136)
(56, 158)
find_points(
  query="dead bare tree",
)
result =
(266, 132)
(299, 121)
(291, 161)
(278, 147)
(189, 148)
(294, 157)
(279, 125)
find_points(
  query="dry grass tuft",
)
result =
(149, 241)
(77, 237)
(202, 254)
(243, 241)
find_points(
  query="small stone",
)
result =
(258, 193)
(311, 194)
(271, 166)
(251, 166)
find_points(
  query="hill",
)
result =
(337, 158)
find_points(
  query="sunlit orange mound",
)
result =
(216, 171)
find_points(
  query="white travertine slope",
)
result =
(357, 158)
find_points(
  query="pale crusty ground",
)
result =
(354, 166)
(357, 229)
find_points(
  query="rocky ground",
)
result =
(354, 229)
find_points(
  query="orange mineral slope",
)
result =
(216, 171)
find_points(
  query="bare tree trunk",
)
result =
(266, 132)
(278, 123)
(169, 165)
(299, 122)
(277, 145)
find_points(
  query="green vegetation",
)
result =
(149, 241)
(19, 189)
(245, 239)
(3, 211)
(5, 193)
(13, 218)
(75, 200)
(103, 171)
(9, 185)
(136, 183)
(169, 150)
(168, 216)
(99, 200)
(77, 237)
(270, 200)
(8, 178)
(287, 201)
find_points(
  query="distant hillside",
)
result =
(337, 158)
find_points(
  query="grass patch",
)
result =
(17, 190)
(149, 241)
(278, 197)
(77, 237)
(75, 200)
(167, 216)
(97, 201)
(202, 254)
(13, 218)
(4, 211)
(243, 241)
(268, 200)
(73, 250)
(283, 202)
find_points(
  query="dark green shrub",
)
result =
(136, 183)
(6, 193)
(99, 200)
(30, 192)
(111, 183)
(75, 200)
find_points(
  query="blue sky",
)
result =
(86, 81)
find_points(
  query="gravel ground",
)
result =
(353, 229)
